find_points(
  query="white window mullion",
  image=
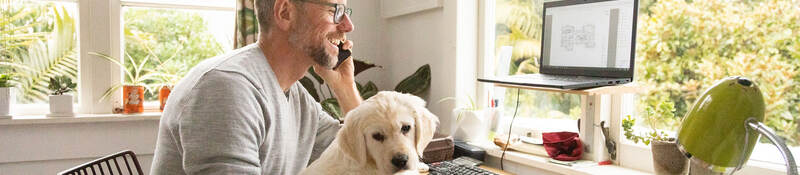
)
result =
(99, 32)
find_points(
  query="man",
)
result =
(245, 112)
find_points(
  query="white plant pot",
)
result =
(60, 106)
(471, 127)
(5, 102)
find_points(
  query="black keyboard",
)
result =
(448, 168)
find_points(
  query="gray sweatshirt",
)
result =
(230, 116)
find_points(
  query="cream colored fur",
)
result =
(356, 151)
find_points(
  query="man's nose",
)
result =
(346, 25)
(400, 160)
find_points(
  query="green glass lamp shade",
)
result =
(714, 131)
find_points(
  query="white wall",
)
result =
(444, 37)
(54, 147)
(367, 36)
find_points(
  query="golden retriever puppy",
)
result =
(386, 134)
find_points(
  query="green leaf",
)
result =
(331, 106)
(309, 86)
(368, 90)
(317, 77)
(361, 66)
(417, 82)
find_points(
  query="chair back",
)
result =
(116, 164)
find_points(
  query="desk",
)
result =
(494, 170)
(597, 105)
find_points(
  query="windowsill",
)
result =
(541, 162)
(80, 118)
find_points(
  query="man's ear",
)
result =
(283, 13)
(425, 123)
(352, 142)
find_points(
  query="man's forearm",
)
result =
(348, 96)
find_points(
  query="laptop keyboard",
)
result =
(558, 77)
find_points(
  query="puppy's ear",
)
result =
(425, 123)
(352, 142)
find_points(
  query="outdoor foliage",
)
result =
(519, 25)
(38, 42)
(682, 48)
(164, 44)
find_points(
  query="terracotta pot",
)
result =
(163, 94)
(667, 158)
(133, 99)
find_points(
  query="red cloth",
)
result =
(564, 146)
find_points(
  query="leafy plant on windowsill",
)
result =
(136, 75)
(7, 80)
(663, 109)
(61, 84)
(416, 84)
(468, 107)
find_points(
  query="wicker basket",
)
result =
(439, 149)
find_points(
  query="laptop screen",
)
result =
(589, 38)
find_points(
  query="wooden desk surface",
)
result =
(494, 170)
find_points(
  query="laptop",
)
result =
(585, 44)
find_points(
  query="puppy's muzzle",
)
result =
(399, 161)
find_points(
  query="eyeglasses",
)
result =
(338, 14)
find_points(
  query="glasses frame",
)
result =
(340, 10)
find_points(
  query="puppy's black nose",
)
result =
(400, 160)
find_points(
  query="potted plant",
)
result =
(667, 158)
(134, 87)
(168, 75)
(61, 103)
(417, 84)
(5, 95)
(469, 123)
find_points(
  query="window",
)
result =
(682, 48)
(38, 41)
(517, 44)
(171, 41)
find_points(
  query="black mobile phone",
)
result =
(343, 54)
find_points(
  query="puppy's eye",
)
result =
(378, 136)
(405, 129)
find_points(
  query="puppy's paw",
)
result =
(422, 167)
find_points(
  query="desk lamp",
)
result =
(720, 130)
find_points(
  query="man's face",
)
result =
(316, 34)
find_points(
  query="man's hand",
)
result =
(342, 80)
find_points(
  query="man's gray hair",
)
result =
(264, 13)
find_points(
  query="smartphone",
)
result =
(343, 54)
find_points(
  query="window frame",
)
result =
(103, 34)
(629, 155)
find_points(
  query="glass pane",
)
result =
(517, 44)
(171, 41)
(682, 50)
(38, 41)
(684, 47)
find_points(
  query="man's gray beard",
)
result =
(317, 53)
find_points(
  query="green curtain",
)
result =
(246, 24)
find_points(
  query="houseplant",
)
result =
(169, 73)
(416, 83)
(667, 158)
(61, 103)
(134, 87)
(5, 95)
(469, 123)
